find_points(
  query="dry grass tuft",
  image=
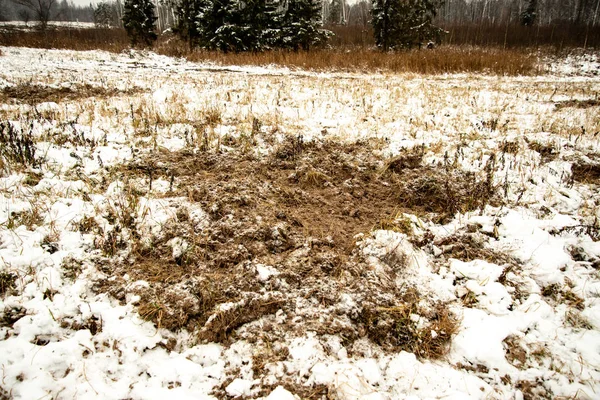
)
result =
(7, 282)
(222, 323)
(548, 152)
(16, 146)
(516, 354)
(470, 246)
(445, 192)
(576, 320)
(403, 327)
(586, 173)
(561, 295)
(408, 159)
(509, 147)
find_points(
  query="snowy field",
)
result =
(179, 230)
(56, 24)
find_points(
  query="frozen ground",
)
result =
(169, 229)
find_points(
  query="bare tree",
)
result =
(41, 9)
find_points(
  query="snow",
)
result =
(74, 341)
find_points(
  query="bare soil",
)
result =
(298, 210)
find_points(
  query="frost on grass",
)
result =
(242, 232)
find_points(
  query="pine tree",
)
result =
(404, 23)
(138, 20)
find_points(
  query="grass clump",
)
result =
(586, 173)
(222, 323)
(404, 327)
(7, 282)
(16, 146)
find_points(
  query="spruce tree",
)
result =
(300, 25)
(186, 12)
(138, 20)
(528, 16)
(256, 25)
(404, 23)
(103, 15)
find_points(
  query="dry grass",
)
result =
(547, 152)
(445, 59)
(586, 173)
(516, 354)
(470, 246)
(220, 326)
(17, 146)
(589, 103)
(7, 282)
(400, 328)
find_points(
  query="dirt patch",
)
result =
(586, 173)
(30, 93)
(10, 315)
(588, 103)
(533, 390)
(296, 212)
(515, 353)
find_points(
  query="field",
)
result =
(179, 229)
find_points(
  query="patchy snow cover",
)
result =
(529, 323)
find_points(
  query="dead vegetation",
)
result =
(562, 295)
(516, 354)
(587, 103)
(30, 93)
(222, 323)
(7, 282)
(444, 59)
(586, 173)
(547, 151)
(17, 146)
(471, 246)
(426, 333)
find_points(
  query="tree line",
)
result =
(256, 25)
(42, 11)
